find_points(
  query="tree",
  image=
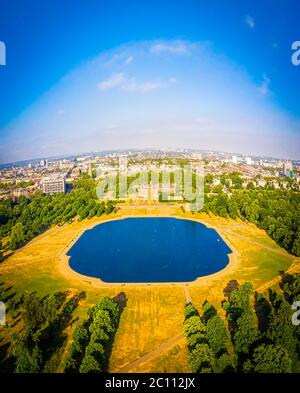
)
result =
(238, 303)
(281, 331)
(189, 311)
(80, 335)
(271, 359)
(194, 325)
(27, 360)
(295, 287)
(239, 298)
(102, 320)
(230, 287)
(201, 359)
(17, 236)
(208, 311)
(194, 339)
(110, 208)
(262, 309)
(296, 246)
(90, 365)
(97, 351)
(216, 334)
(99, 335)
(217, 189)
(224, 364)
(33, 314)
(109, 305)
(246, 332)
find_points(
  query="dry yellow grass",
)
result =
(174, 360)
(153, 314)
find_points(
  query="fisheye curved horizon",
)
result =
(153, 94)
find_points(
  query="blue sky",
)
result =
(101, 75)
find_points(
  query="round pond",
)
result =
(149, 250)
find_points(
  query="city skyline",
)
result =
(120, 152)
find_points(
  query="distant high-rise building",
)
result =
(43, 163)
(288, 168)
(123, 163)
(235, 159)
(248, 161)
(53, 185)
(196, 156)
(90, 172)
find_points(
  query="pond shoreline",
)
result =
(202, 280)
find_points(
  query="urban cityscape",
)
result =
(56, 175)
(149, 194)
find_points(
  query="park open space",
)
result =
(149, 337)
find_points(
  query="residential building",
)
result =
(288, 168)
(54, 185)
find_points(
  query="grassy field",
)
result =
(153, 314)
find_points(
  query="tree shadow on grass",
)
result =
(286, 278)
(9, 297)
(209, 311)
(262, 308)
(6, 256)
(54, 336)
(7, 363)
(121, 301)
(286, 282)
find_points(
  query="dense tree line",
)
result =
(25, 218)
(257, 334)
(91, 339)
(276, 211)
(44, 320)
(208, 340)
(20, 184)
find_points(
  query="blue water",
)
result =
(149, 250)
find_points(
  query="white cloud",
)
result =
(119, 59)
(174, 47)
(143, 87)
(264, 87)
(250, 21)
(171, 81)
(113, 81)
(129, 60)
(130, 84)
